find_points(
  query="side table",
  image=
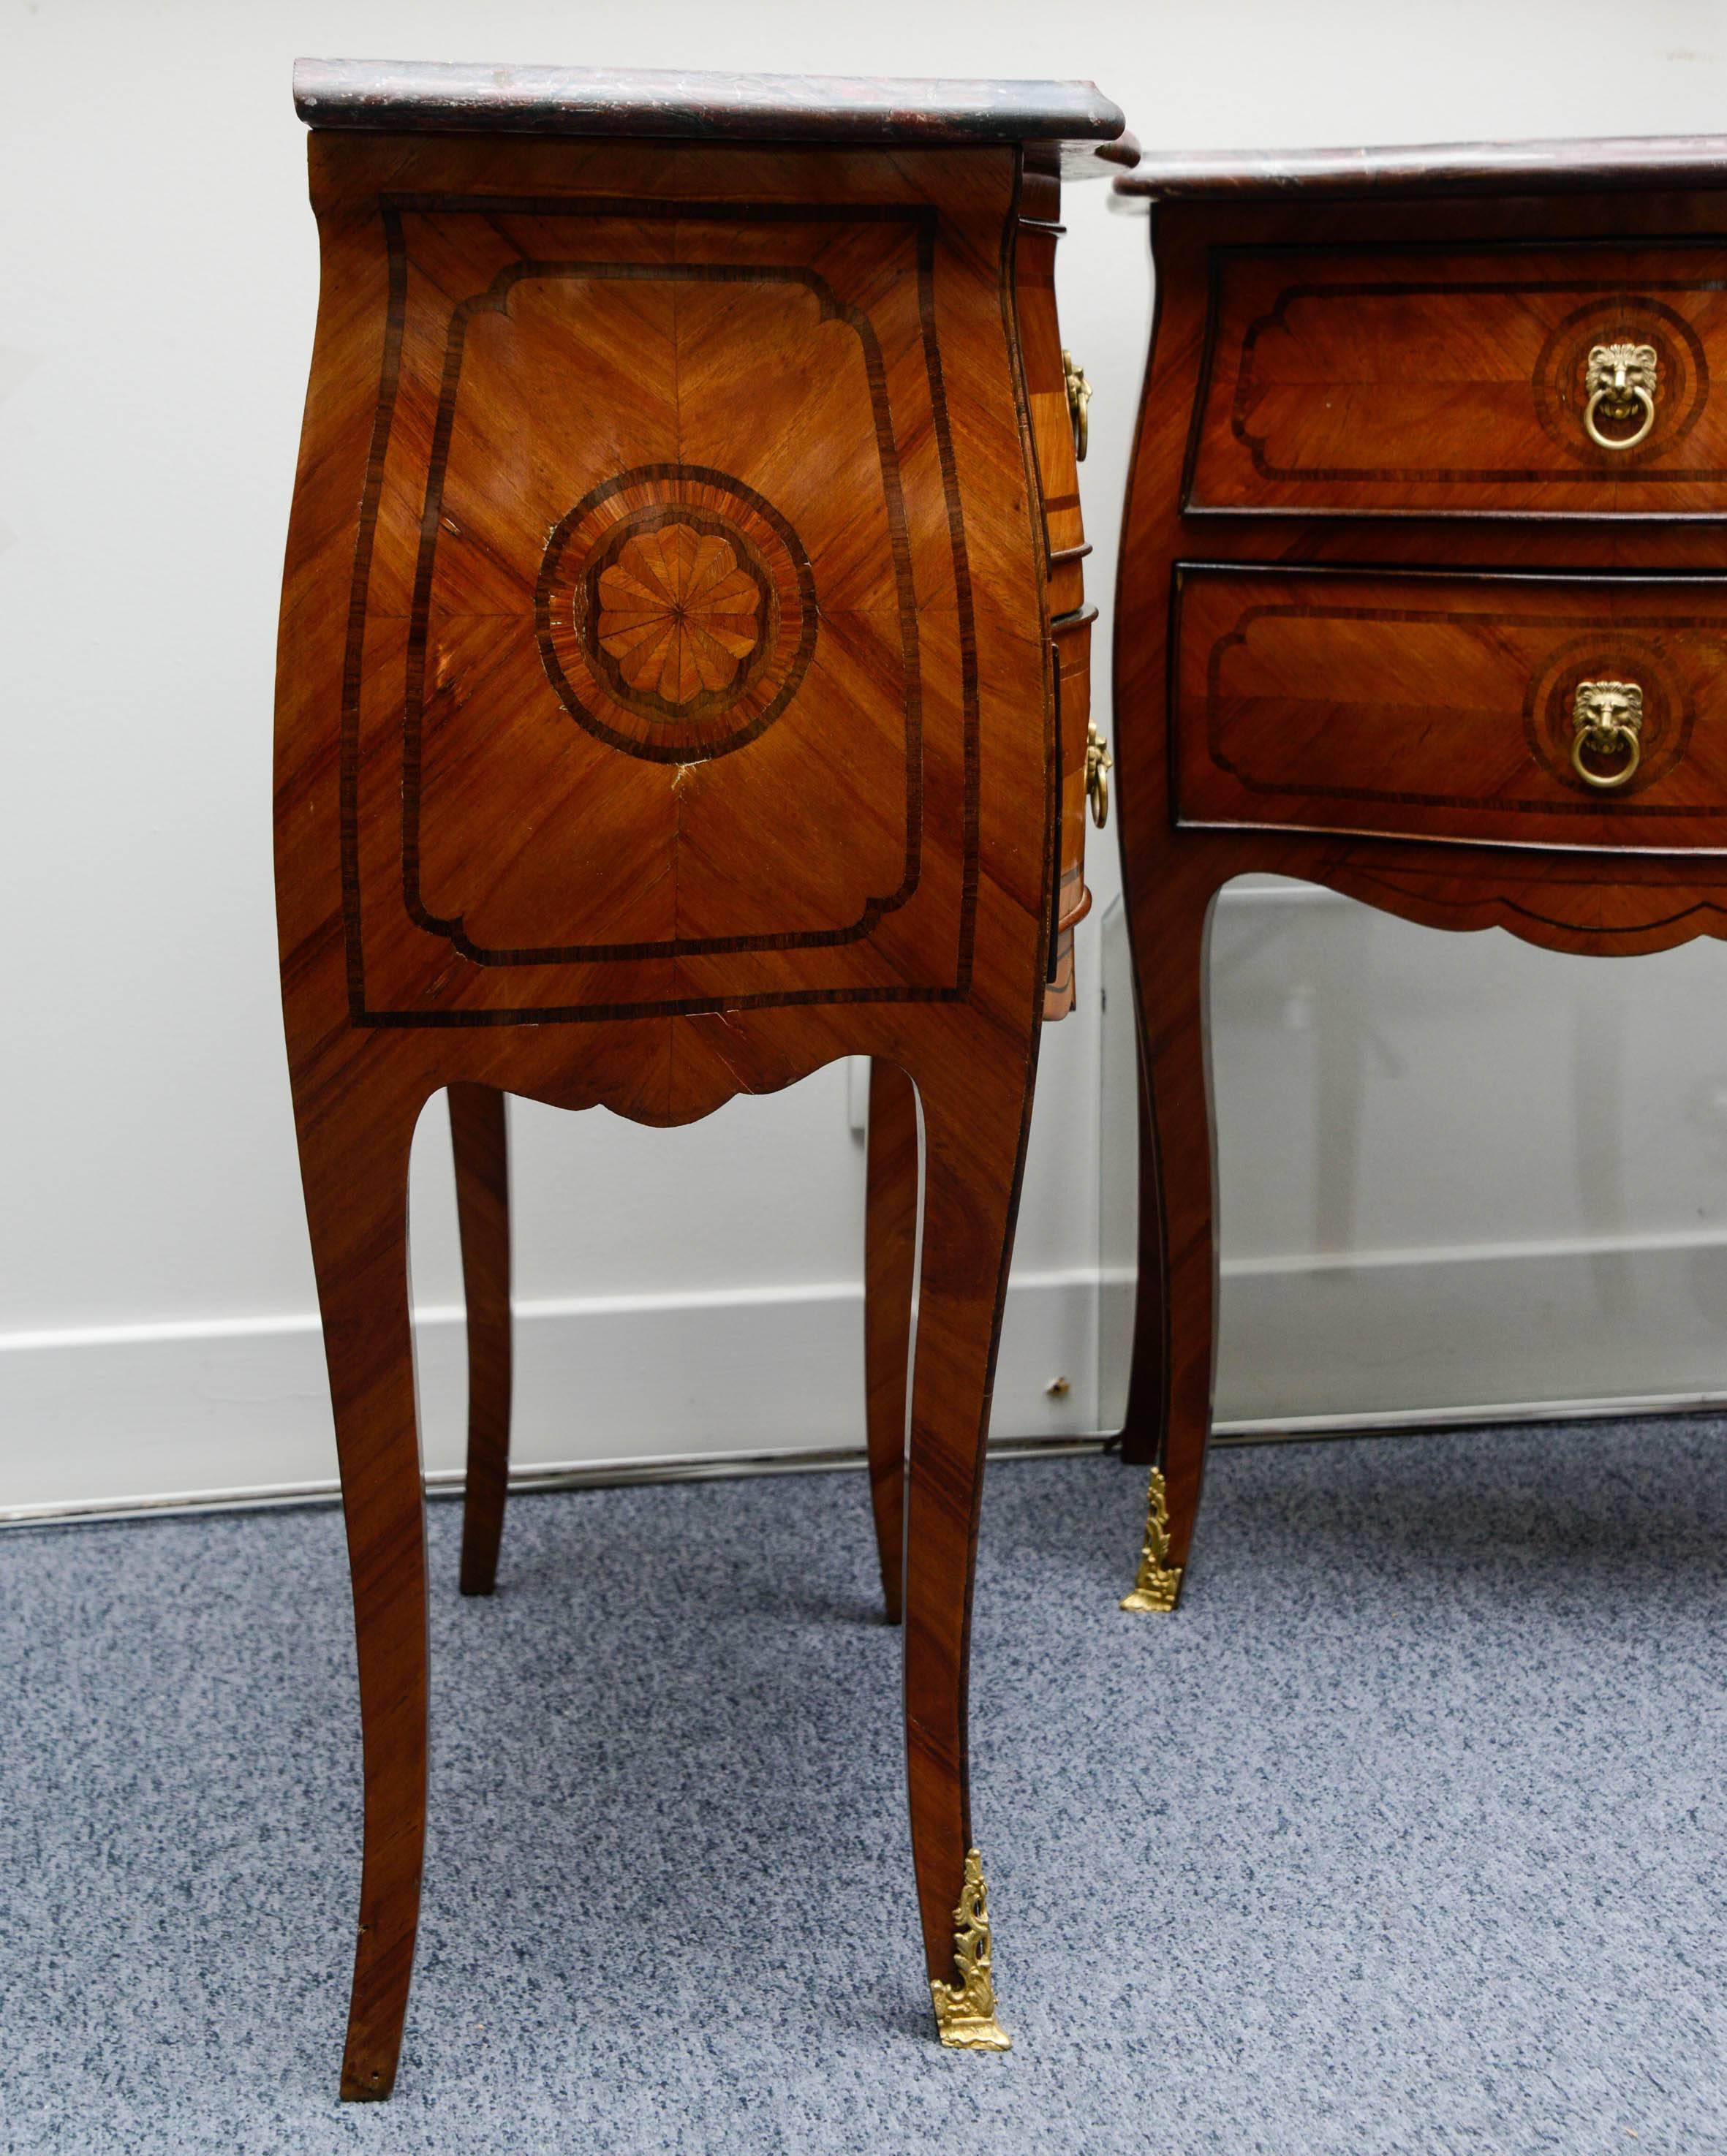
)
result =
(666, 706)
(1421, 598)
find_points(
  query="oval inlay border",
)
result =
(1682, 376)
(1610, 654)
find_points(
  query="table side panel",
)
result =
(570, 793)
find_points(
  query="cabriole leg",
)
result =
(354, 1164)
(890, 1265)
(479, 1141)
(974, 1129)
(1174, 1348)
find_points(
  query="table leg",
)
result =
(974, 1124)
(1169, 1416)
(890, 1266)
(1142, 1434)
(479, 1140)
(354, 1165)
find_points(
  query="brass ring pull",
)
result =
(1079, 403)
(1607, 719)
(1099, 763)
(1620, 382)
(1619, 737)
(1623, 441)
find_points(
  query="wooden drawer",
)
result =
(1073, 901)
(1064, 548)
(1366, 379)
(1052, 419)
(1417, 706)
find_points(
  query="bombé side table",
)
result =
(667, 705)
(1422, 598)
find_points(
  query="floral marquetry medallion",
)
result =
(676, 612)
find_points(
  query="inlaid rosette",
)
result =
(676, 612)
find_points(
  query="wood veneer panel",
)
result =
(1065, 548)
(1051, 421)
(1073, 656)
(1423, 380)
(777, 326)
(1073, 638)
(1442, 707)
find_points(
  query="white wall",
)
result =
(155, 1286)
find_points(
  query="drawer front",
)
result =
(1371, 380)
(1073, 901)
(1454, 707)
(1065, 547)
(1051, 418)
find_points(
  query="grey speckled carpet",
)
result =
(1406, 1834)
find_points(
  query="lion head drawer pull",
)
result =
(1099, 763)
(1619, 384)
(1607, 721)
(1079, 403)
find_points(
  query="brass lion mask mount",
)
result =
(1620, 382)
(1606, 721)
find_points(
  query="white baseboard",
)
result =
(116, 1417)
(1390, 1339)
(111, 1419)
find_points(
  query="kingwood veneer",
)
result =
(668, 704)
(1420, 596)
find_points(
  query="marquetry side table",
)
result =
(668, 704)
(1420, 596)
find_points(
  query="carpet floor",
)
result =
(1404, 1834)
